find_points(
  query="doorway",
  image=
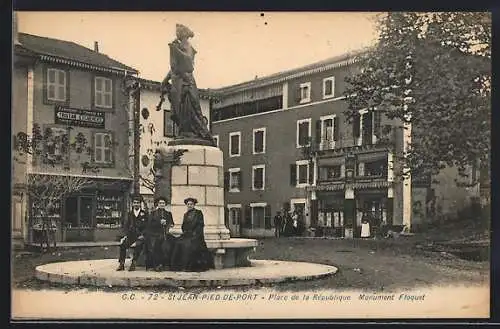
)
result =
(235, 220)
(79, 218)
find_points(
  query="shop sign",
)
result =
(79, 117)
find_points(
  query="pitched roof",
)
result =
(52, 49)
(156, 86)
(326, 64)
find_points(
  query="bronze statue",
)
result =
(180, 87)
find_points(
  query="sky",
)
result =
(232, 47)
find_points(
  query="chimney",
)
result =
(15, 34)
(96, 46)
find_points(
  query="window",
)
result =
(234, 179)
(56, 85)
(56, 140)
(248, 108)
(216, 140)
(376, 168)
(103, 148)
(329, 132)
(259, 140)
(103, 92)
(258, 177)
(302, 172)
(261, 215)
(330, 172)
(234, 214)
(235, 144)
(305, 92)
(169, 127)
(303, 132)
(328, 87)
(258, 217)
(365, 127)
(298, 205)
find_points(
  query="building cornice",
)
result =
(81, 65)
(285, 76)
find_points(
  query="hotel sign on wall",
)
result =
(79, 118)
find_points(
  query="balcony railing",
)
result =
(330, 145)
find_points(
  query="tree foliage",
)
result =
(433, 70)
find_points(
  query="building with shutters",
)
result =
(287, 144)
(156, 130)
(68, 91)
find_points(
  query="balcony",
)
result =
(329, 147)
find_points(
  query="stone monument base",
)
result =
(199, 174)
(102, 273)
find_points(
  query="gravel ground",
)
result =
(371, 265)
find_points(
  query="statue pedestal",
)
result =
(200, 174)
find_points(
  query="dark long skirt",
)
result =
(191, 255)
(159, 251)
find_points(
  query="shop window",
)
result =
(109, 208)
(376, 168)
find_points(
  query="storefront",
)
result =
(93, 214)
(338, 211)
(330, 221)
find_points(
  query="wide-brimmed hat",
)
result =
(158, 199)
(190, 199)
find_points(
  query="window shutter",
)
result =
(318, 131)
(248, 216)
(377, 123)
(356, 125)
(111, 148)
(240, 176)
(267, 217)
(226, 180)
(336, 127)
(311, 173)
(293, 174)
(368, 127)
(226, 217)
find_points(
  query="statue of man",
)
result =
(180, 87)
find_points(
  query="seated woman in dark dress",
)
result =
(190, 251)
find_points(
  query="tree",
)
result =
(432, 70)
(52, 147)
(45, 192)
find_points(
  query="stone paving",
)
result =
(102, 273)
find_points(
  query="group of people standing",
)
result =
(148, 233)
(288, 223)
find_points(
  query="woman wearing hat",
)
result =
(158, 239)
(190, 250)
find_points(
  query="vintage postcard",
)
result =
(251, 165)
